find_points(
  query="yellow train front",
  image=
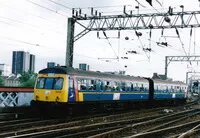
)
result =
(52, 86)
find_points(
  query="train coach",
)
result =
(69, 86)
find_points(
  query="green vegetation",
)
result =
(1, 81)
(27, 79)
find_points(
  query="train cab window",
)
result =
(40, 83)
(58, 83)
(48, 83)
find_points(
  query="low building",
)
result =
(11, 81)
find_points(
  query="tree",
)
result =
(27, 79)
(1, 81)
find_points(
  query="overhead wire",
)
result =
(60, 4)
(110, 44)
(46, 8)
(32, 25)
(32, 14)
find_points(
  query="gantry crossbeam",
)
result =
(169, 59)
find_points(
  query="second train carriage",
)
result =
(68, 85)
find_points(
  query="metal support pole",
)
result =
(70, 43)
(166, 64)
(187, 77)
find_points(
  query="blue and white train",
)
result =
(64, 85)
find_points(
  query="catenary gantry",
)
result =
(126, 21)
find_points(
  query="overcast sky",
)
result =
(40, 27)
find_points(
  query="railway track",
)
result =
(154, 122)
(93, 126)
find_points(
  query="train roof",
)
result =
(78, 72)
(168, 81)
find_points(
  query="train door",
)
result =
(71, 90)
(151, 89)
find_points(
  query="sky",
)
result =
(40, 27)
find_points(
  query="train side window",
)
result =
(71, 83)
(128, 86)
(146, 88)
(107, 86)
(82, 84)
(101, 85)
(167, 89)
(123, 86)
(92, 85)
(142, 88)
(114, 86)
(138, 87)
(131, 86)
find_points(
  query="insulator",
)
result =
(92, 11)
(167, 19)
(79, 11)
(96, 13)
(72, 11)
(150, 26)
(126, 38)
(124, 10)
(104, 33)
(118, 34)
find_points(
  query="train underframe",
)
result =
(64, 109)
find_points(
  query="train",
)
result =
(67, 86)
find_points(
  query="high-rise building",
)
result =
(84, 66)
(32, 63)
(21, 62)
(51, 64)
(5, 70)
